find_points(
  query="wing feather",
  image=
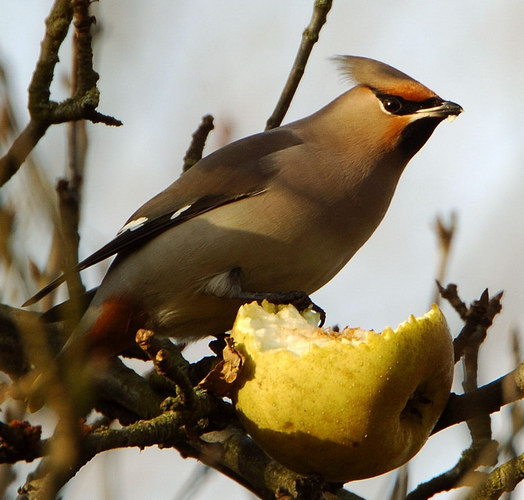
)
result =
(238, 171)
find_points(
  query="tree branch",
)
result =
(42, 110)
(445, 233)
(20, 441)
(309, 38)
(196, 148)
(449, 479)
(86, 77)
(477, 318)
(235, 454)
(502, 479)
(21, 147)
(168, 362)
(57, 26)
(488, 399)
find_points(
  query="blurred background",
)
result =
(163, 65)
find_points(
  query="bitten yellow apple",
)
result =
(346, 405)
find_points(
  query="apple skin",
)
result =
(344, 409)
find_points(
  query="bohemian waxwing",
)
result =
(277, 212)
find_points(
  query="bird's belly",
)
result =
(273, 255)
(281, 253)
(277, 271)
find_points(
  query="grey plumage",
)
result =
(279, 211)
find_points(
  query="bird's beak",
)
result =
(446, 109)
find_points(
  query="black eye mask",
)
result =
(399, 106)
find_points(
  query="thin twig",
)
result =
(400, 488)
(475, 405)
(485, 400)
(502, 479)
(169, 362)
(228, 451)
(69, 190)
(121, 394)
(478, 317)
(69, 209)
(196, 148)
(450, 293)
(445, 233)
(309, 38)
(85, 77)
(449, 479)
(21, 147)
(510, 446)
(57, 26)
(480, 425)
(169, 428)
(42, 110)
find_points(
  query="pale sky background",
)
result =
(164, 64)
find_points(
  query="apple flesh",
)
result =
(346, 405)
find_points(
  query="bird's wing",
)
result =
(240, 170)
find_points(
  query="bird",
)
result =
(275, 215)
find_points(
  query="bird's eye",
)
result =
(392, 104)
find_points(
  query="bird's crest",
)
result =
(382, 77)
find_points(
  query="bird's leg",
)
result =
(300, 300)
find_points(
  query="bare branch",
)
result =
(450, 293)
(57, 26)
(169, 362)
(309, 38)
(450, 479)
(480, 425)
(478, 317)
(503, 479)
(121, 394)
(86, 77)
(483, 401)
(19, 441)
(476, 405)
(230, 450)
(83, 79)
(194, 152)
(21, 147)
(69, 208)
(42, 110)
(445, 233)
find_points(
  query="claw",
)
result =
(321, 312)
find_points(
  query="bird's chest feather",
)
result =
(296, 244)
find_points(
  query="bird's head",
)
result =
(395, 111)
